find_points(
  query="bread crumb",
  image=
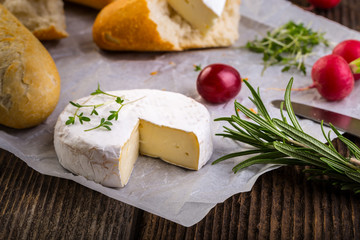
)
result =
(153, 73)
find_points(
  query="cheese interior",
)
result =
(201, 14)
(171, 145)
(129, 154)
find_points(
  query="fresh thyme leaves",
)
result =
(80, 116)
(103, 123)
(114, 114)
(278, 141)
(99, 91)
(288, 45)
(197, 68)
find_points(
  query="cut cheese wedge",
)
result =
(155, 123)
(201, 14)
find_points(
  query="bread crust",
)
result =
(152, 25)
(50, 33)
(29, 80)
(130, 28)
(97, 4)
(44, 18)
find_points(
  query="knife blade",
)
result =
(342, 122)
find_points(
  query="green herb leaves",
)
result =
(97, 91)
(288, 45)
(103, 123)
(197, 68)
(71, 120)
(80, 116)
(278, 141)
(114, 114)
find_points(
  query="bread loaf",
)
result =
(152, 25)
(29, 80)
(97, 4)
(44, 18)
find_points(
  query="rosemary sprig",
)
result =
(278, 141)
(288, 45)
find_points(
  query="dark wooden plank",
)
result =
(355, 206)
(298, 226)
(277, 205)
(254, 213)
(244, 214)
(35, 206)
(308, 211)
(265, 206)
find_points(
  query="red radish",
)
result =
(218, 83)
(324, 4)
(332, 77)
(349, 50)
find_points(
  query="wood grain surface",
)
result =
(281, 205)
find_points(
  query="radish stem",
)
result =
(355, 66)
(294, 89)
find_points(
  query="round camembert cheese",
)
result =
(155, 123)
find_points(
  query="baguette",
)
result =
(44, 18)
(97, 4)
(152, 25)
(29, 80)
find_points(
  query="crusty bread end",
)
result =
(44, 18)
(152, 25)
(29, 80)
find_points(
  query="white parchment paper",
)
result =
(179, 195)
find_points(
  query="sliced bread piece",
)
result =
(44, 18)
(29, 80)
(152, 25)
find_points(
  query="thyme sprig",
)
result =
(103, 123)
(81, 116)
(288, 45)
(279, 141)
(98, 91)
(114, 114)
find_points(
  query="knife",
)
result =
(340, 121)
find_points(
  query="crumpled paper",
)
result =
(179, 195)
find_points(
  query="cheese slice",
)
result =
(159, 124)
(201, 14)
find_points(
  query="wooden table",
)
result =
(281, 205)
